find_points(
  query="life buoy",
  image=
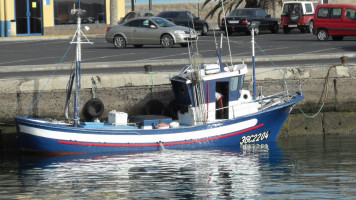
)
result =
(93, 108)
(154, 107)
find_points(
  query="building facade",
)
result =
(341, 1)
(53, 17)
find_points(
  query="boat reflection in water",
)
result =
(219, 173)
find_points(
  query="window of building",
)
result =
(96, 12)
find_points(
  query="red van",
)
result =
(335, 20)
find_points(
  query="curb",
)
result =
(141, 63)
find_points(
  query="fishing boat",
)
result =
(214, 111)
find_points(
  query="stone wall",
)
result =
(129, 93)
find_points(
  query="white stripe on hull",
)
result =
(211, 131)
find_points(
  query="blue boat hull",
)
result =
(261, 127)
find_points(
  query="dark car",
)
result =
(239, 21)
(186, 18)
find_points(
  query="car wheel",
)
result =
(310, 27)
(119, 42)
(322, 35)
(286, 30)
(138, 45)
(204, 31)
(274, 28)
(167, 41)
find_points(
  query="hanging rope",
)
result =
(153, 84)
(326, 90)
(52, 75)
(326, 87)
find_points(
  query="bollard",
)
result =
(344, 60)
(148, 68)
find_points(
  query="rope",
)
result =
(153, 84)
(271, 61)
(52, 75)
(312, 116)
(326, 88)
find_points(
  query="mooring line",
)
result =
(52, 75)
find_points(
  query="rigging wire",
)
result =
(198, 89)
(52, 75)
(326, 87)
(227, 35)
(69, 92)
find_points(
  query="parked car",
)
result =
(335, 20)
(239, 21)
(136, 14)
(149, 30)
(186, 18)
(298, 14)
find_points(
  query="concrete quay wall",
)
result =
(335, 86)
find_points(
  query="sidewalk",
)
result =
(43, 37)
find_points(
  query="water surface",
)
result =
(293, 168)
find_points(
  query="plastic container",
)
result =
(117, 118)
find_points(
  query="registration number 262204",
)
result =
(254, 138)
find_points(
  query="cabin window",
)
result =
(241, 81)
(234, 83)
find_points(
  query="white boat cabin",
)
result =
(215, 93)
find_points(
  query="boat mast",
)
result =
(78, 36)
(254, 25)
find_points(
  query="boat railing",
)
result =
(284, 95)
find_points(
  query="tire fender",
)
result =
(154, 107)
(93, 108)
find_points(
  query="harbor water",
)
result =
(314, 167)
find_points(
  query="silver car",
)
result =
(149, 30)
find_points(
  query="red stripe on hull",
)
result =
(164, 144)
